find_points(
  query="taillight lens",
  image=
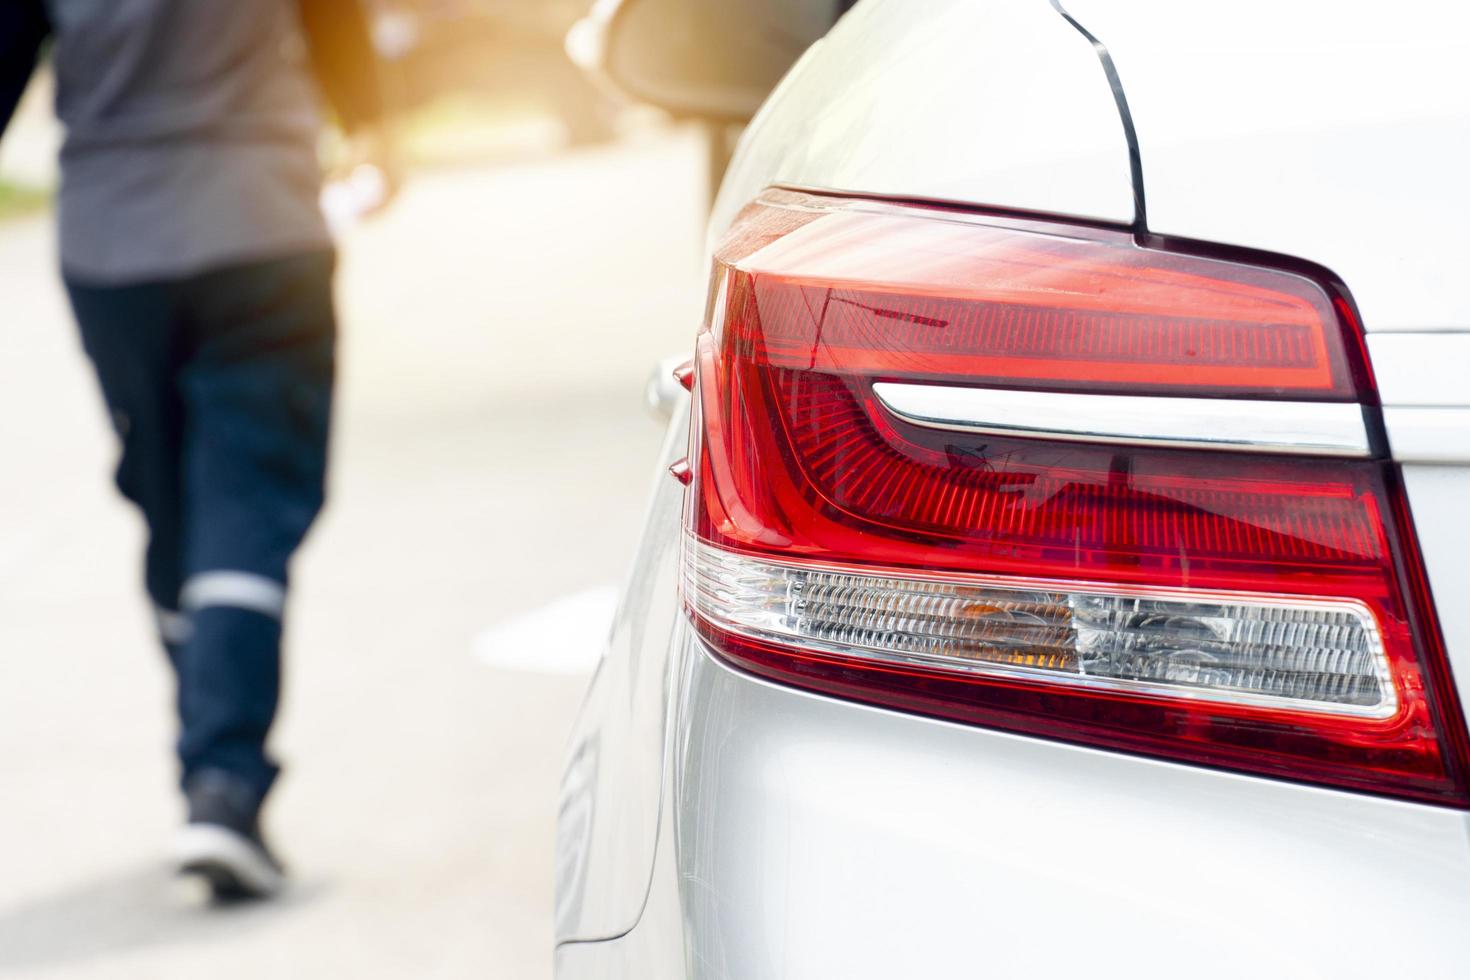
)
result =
(1229, 608)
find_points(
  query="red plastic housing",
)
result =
(815, 299)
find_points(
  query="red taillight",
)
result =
(1244, 608)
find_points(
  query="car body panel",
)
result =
(799, 863)
(1339, 134)
(889, 103)
(815, 839)
(609, 813)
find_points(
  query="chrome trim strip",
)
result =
(1303, 428)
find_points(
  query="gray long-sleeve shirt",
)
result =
(190, 136)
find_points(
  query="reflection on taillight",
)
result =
(1233, 608)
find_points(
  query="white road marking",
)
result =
(565, 636)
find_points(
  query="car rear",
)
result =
(1058, 595)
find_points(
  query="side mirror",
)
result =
(711, 60)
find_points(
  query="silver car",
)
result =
(1057, 566)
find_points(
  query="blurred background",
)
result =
(489, 470)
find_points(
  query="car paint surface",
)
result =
(1338, 133)
(782, 834)
(817, 839)
(924, 107)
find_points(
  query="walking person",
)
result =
(199, 269)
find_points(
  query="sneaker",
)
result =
(222, 841)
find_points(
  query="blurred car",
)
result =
(1059, 564)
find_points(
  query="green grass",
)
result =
(17, 200)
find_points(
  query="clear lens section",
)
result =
(1304, 654)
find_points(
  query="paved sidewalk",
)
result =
(492, 456)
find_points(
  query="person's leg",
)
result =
(257, 390)
(131, 334)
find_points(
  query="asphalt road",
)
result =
(492, 455)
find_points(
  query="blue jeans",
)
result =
(220, 389)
